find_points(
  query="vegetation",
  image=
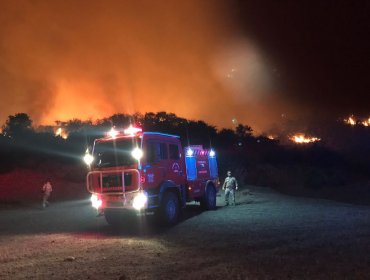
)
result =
(340, 161)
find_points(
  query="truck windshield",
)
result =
(114, 153)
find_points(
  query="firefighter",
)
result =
(230, 186)
(46, 189)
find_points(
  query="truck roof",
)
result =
(160, 134)
(136, 135)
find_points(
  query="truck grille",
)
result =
(113, 182)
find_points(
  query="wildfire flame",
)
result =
(61, 133)
(351, 120)
(366, 122)
(302, 139)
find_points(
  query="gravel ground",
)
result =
(267, 235)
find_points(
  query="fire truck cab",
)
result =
(149, 172)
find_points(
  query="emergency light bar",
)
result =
(197, 150)
(131, 130)
(113, 133)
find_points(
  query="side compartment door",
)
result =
(177, 172)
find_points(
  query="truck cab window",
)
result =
(152, 152)
(156, 152)
(164, 152)
(174, 152)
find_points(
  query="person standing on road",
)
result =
(230, 186)
(46, 189)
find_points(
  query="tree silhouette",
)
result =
(17, 125)
(243, 131)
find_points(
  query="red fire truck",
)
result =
(149, 173)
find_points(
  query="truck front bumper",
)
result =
(133, 200)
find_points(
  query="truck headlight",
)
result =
(137, 153)
(140, 201)
(88, 159)
(96, 201)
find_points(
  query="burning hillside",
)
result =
(352, 120)
(61, 133)
(301, 138)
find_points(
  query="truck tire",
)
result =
(169, 209)
(209, 200)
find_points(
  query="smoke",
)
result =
(61, 60)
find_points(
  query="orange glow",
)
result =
(81, 99)
(302, 139)
(137, 58)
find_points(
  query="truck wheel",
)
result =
(170, 209)
(209, 200)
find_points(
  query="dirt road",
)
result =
(266, 236)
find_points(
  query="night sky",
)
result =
(253, 61)
(322, 49)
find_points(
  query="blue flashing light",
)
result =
(191, 168)
(189, 152)
(213, 170)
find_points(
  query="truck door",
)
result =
(155, 163)
(177, 172)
